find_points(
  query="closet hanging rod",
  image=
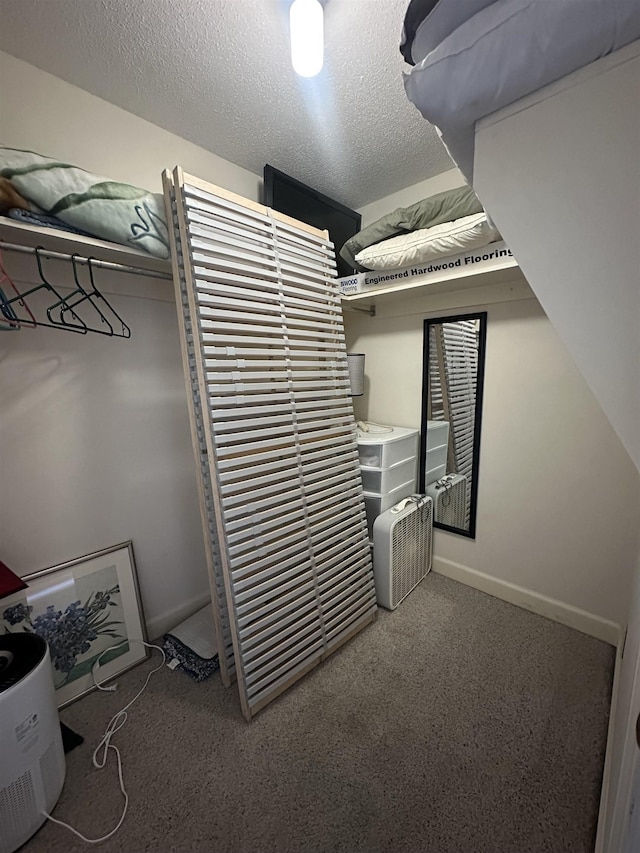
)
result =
(371, 310)
(107, 265)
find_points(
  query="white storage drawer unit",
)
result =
(437, 446)
(382, 450)
(388, 465)
(382, 480)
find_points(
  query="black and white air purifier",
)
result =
(32, 764)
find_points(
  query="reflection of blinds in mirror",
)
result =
(271, 378)
(453, 373)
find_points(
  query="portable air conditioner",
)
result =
(32, 765)
(449, 496)
(402, 538)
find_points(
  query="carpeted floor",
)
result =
(456, 724)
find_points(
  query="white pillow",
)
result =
(507, 50)
(443, 19)
(449, 238)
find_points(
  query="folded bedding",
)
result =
(476, 57)
(109, 210)
(449, 238)
(442, 207)
(44, 221)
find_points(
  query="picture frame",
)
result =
(83, 608)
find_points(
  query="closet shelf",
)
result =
(61, 241)
(448, 274)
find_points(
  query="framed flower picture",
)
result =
(86, 608)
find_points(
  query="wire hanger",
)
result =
(80, 327)
(64, 312)
(75, 298)
(83, 294)
(14, 323)
(96, 294)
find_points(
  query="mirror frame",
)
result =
(482, 346)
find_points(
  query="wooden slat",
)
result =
(220, 613)
(212, 551)
(285, 497)
(267, 609)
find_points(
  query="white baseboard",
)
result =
(159, 625)
(566, 614)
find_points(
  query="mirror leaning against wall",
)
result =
(452, 385)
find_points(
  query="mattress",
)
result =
(505, 51)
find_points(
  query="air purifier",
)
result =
(402, 548)
(32, 765)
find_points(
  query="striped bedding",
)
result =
(106, 209)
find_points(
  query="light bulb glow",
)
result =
(306, 21)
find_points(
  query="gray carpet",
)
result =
(456, 724)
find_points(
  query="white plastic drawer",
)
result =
(383, 480)
(437, 433)
(437, 446)
(436, 455)
(436, 464)
(387, 449)
(435, 473)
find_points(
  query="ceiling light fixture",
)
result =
(306, 22)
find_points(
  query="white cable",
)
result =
(115, 724)
(365, 426)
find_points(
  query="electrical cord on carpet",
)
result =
(115, 724)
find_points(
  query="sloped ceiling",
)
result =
(218, 73)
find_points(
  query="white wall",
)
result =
(410, 195)
(45, 114)
(558, 496)
(96, 450)
(578, 194)
(571, 152)
(95, 435)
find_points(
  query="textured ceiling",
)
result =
(218, 73)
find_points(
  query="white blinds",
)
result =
(270, 397)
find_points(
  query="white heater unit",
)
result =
(449, 496)
(402, 547)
